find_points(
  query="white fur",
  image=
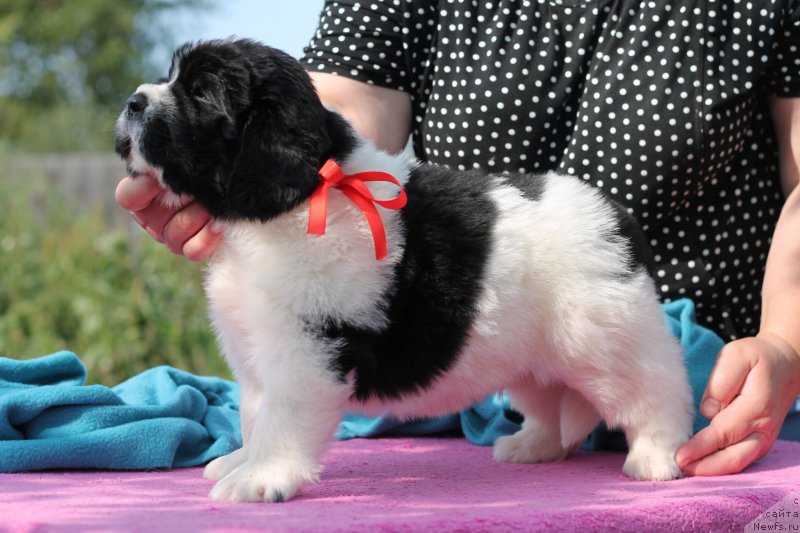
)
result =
(570, 341)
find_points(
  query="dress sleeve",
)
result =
(786, 74)
(363, 41)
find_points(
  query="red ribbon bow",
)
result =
(353, 187)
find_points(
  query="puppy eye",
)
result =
(198, 92)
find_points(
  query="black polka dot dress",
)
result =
(662, 105)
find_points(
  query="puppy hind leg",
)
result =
(578, 419)
(659, 420)
(657, 427)
(539, 440)
(647, 394)
(651, 455)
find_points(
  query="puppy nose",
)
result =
(136, 103)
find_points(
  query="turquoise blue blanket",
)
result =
(161, 418)
(165, 417)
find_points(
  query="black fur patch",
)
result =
(449, 221)
(530, 185)
(640, 254)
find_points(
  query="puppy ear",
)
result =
(273, 172)
(278, 162)
(286, 139)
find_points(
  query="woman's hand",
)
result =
(187, 230)
(754, 383)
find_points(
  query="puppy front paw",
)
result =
(222, 466)
(266, 481)
(651, 463)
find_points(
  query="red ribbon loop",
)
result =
(353, 186)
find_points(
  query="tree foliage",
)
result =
(67, 66)
(119, 300)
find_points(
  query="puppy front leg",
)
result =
(224, 294)
(299, 410)
(249, 404)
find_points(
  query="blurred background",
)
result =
(75, 272)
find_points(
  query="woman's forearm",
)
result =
(780, 313)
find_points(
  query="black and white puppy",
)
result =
(534, 284)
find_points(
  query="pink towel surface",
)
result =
(421, 484)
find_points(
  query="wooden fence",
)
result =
(85, 181)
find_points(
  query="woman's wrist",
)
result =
(780, 341)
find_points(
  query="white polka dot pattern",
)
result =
(662, 105)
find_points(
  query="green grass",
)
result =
(119, 300)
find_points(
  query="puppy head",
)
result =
(236, 125)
